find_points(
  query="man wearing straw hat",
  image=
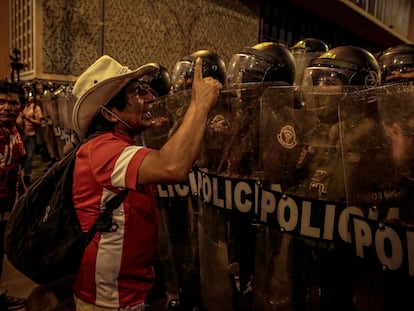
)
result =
(113, 106)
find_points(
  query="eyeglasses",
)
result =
(141, 91)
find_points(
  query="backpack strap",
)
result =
(115, 201)
(105, 223)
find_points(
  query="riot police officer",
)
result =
(338, 152)
(397, 66)
(253, 70)
(397, 107)
(260, 77)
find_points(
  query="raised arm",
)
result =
(172, 163)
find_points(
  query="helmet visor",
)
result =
(317, 76)
(302, 60)
(182, 76)
(245, 68)
(397, 67)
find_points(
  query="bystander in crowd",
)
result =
(12, 155)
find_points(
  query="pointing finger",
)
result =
(198, 74)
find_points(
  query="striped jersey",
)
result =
(116, 268)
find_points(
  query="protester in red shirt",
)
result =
(113, 106)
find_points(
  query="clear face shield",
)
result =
(182, 76)
(322, 90)
(183, 73)
(302, 60)
(326, 79)
(245, 68)
(402, 74)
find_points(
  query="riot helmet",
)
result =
(263, 62)
(213, 66)
(304, 51)
(160, 83)
(335, 73)
(309, 45)
(343, 65)
(397, 63)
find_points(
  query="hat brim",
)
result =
(87, 106)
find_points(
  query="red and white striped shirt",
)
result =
(116, 269)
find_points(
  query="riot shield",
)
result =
(228, 237)
(305, 159)
(365, 149)
(383, 188)
(178, 251)
(396, 110)
(282, 124)
(240, 136)
(47, 125)
(65, 107)
(319, 172)
(291, 204)
(56, 122)
(166, 114)
(64, 130)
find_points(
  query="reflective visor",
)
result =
(245, 68)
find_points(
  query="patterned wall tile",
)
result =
(137, 32)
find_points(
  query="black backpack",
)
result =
(43, 237)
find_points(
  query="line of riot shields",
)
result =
(56, 128)
(299, 199)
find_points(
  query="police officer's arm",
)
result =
(172, 163)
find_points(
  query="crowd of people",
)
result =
(226, 121)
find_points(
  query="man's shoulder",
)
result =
(105, 145)
(110, 139)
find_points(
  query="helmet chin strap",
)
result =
(117, 117)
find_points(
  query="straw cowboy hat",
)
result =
(98, 85)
